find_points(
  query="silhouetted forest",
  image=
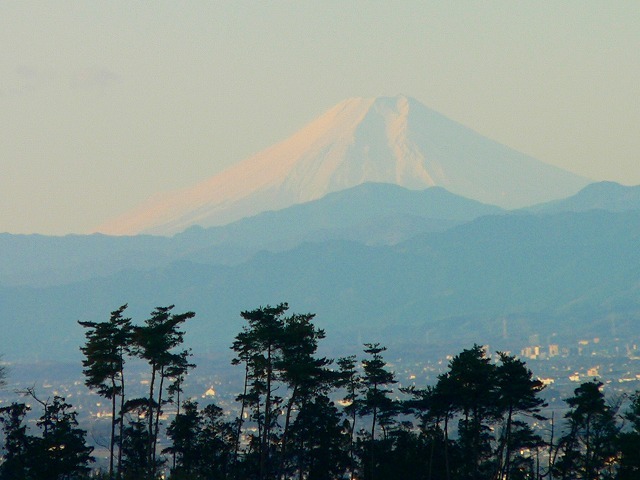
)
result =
(303, 416)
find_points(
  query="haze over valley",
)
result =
(383, 217)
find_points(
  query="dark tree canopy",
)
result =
(302, 416)
(107, 346)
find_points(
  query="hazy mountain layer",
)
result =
(567, 274)
(377, 214)
(608, 196)
(388, 140)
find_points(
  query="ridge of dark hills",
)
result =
(369, 213)
(610, 196)
(573, 273)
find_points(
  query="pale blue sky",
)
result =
(103, 104)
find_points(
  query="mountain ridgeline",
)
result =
(394, 140)
(372, 213)
(375, 259)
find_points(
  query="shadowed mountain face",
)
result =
(565, 274)
(387, 140)
(372, 214)
(608, 196)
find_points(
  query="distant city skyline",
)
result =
(104, 104)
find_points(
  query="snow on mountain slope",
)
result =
(393, 140)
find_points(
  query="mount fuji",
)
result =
(394, 140)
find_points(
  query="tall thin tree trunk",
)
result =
(150, 455)
(240, 421)
(507, 460)
(121, 419)
(157, 421)
(373, 434)
(476, 443)
(352, 430)
(264, 448)
(283, 452)
(173, 462)
(551, 456)
(431, 449)
(587, 453)
(446, 445)
(301, 460)
(113, 427)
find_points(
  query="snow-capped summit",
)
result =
(393, 140)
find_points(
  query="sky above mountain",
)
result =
(104, 104)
